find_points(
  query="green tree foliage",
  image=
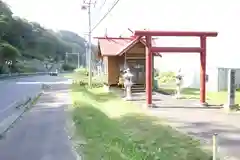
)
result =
(5, 18)
(8, 52)
(4, 9)
(166, 77)
(32, 41)
(67, 67)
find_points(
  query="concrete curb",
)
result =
(8, 122)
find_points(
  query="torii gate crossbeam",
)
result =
(150, 49)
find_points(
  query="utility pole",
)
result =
(66, 58)
(89, 46)
(78, 60)
(86, 54)
(87, 5)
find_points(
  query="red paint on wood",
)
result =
(150, 50)
(176, 49)
(203, 70)
(148, 71)
(175, 33)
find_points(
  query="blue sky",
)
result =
(153, 14)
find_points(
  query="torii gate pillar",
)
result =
(149, 74)
(150, 49)
(203, 58)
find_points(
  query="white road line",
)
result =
(14, 104)
(8, 107)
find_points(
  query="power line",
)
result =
(103, 4)
(116, 2)
(98, 9)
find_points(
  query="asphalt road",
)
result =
(41, 133)
(15, 90)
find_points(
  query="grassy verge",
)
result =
(212, 97)
(80, 76)
(117, 130)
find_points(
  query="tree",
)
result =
(32, 41)
(4, 9)
(5, 17)
(8, 52)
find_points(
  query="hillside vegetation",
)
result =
(22, 41)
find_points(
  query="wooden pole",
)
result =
(149, 71)
(203, 71)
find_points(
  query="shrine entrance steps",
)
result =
(136, 88)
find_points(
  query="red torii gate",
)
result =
(150, 49)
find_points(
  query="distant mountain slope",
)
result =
(33, 41)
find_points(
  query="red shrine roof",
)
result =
(112, 46)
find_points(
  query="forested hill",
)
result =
(22, 40)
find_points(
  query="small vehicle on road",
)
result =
(54, 73)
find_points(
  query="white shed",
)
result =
(222, 75)
(217, 79)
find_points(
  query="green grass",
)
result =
(113, 129)
(166, 77)
(212, 97)
(75, 76)
(80, 77)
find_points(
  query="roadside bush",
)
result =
(82, 71)
(95, 84)
(83, 83)
(8, 52)
(68, 67)
(166, 77)
(21, 68)
(3, 69)
(156, 72)
(81, 78)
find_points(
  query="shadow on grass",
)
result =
(185, 91)
(190, 91)
(209, 107)
(165, 91)
(132, 136)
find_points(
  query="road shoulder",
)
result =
(41, 133)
